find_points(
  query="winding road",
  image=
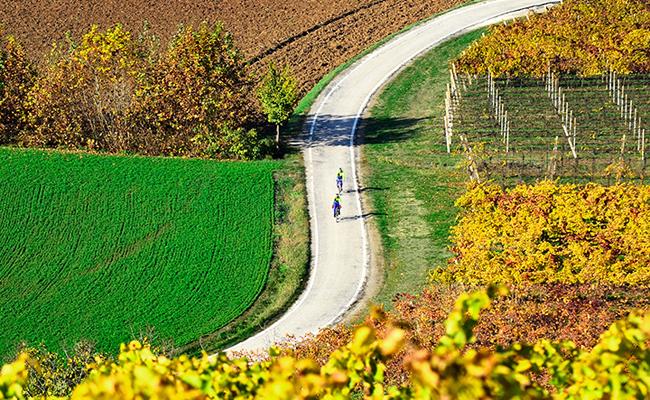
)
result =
(340, 251)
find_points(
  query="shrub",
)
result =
(551, 233)
(16, 78)
(558, 312)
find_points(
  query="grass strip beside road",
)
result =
(411, 181)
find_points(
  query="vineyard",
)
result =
(575, 128)
(563, 94)
(103, 248)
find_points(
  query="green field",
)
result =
(104, 248)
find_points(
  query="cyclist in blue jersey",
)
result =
(336, 206)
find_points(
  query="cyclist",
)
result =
(339, 180)
(336, 206)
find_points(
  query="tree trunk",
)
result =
(277, 135)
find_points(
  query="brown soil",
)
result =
(313, 36)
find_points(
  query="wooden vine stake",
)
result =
(553, 164)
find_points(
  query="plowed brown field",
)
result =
(313, 36)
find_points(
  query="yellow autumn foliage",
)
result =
(580, 37)
(551, 233)
(617, 367)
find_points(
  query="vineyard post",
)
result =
(492, 94)
(622, 99)
(453, 85)
(551, 87)
(633, 124)
(448, 117)
(637, 130)
(489, 93)
(444, 121)
(617, 88)
(553, 162)
(575, 132)
(505, 126)
(507, 136)
(609, 81)
(461, 80)
(500, 116)
(492, 91)
(643, 145)
(629, 110)
(571, 145)
(502, 122)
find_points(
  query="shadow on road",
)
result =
(335, 130)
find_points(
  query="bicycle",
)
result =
(337, 213)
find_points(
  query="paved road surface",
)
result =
(340, 251)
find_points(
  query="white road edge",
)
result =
(340, 252)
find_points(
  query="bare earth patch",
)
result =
(312, 36)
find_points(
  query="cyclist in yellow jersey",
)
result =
(339, 180)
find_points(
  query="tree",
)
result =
(199, 94)
(278, 94)
(83, 96)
